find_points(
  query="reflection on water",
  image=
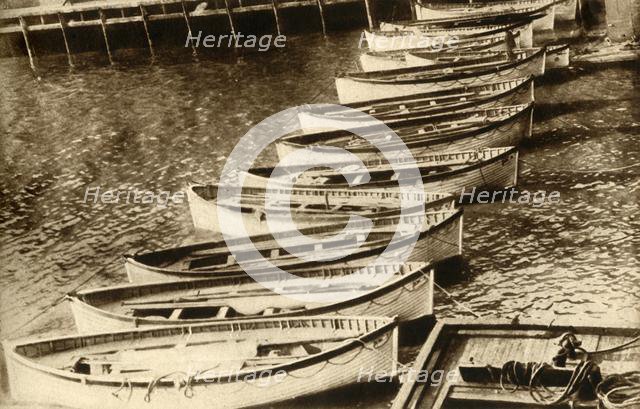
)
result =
(158, 127)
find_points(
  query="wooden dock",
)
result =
(104, 15)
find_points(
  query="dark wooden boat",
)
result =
(226, 365)
(486, 364)
(363, 86)
(408, 295)
(460, 131)
(440, 238)
(451, 10)
(333, 208)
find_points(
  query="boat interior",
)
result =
(499, 365)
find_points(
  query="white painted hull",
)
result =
(390, 39)
(35, 383)
(492, 174)
(410, 301)
(393, 60)
(511, 134)
(205, 213)
(352, 90)
(429, 247)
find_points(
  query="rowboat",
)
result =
(408, 294)
(495, 41)
(399, 36)
(456, 131)
(387, 60)
(488, 364)
(557, 56)
(459, 59)
(446, 10)
(451, 172)
(389, 110)
(440, 238)
(224, 364)
(332, 209)
(364, 86)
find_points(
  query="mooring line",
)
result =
(456, 301)
(61, 298)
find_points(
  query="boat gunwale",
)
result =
(422, 121)
(369, 77)
(375, 248)
(329, 308)
(446, 137)
(387, 324)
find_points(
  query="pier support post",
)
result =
(63, 27)
(412, 7)
(188, 23)
(25, 34)
(321, 10)
(370, 14)
(105, 35)
(145, 23)
(230, 16)
(274, 4)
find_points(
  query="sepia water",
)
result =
(156, 127)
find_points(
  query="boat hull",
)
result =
(458, 10)
(441, 241)
(35, 383)
(205, 214)
(410, 299)
(351, 90)
(510, 133)
(480, 348)
(493, 171)
(403, 37)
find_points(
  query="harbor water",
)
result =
(157, 127)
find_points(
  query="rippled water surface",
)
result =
(158, 127)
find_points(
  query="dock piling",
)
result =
(370, 14)
(321, 10)
(63, 27)
(414, 15)
(188, 23)
(145, 23)
(274, 4)
(103, 24)
(25, 34)
(230, 16)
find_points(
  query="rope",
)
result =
(448, 294)
(616, 348)
(154, 382)
(128, 382)
(619, 391)
(62, 297)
